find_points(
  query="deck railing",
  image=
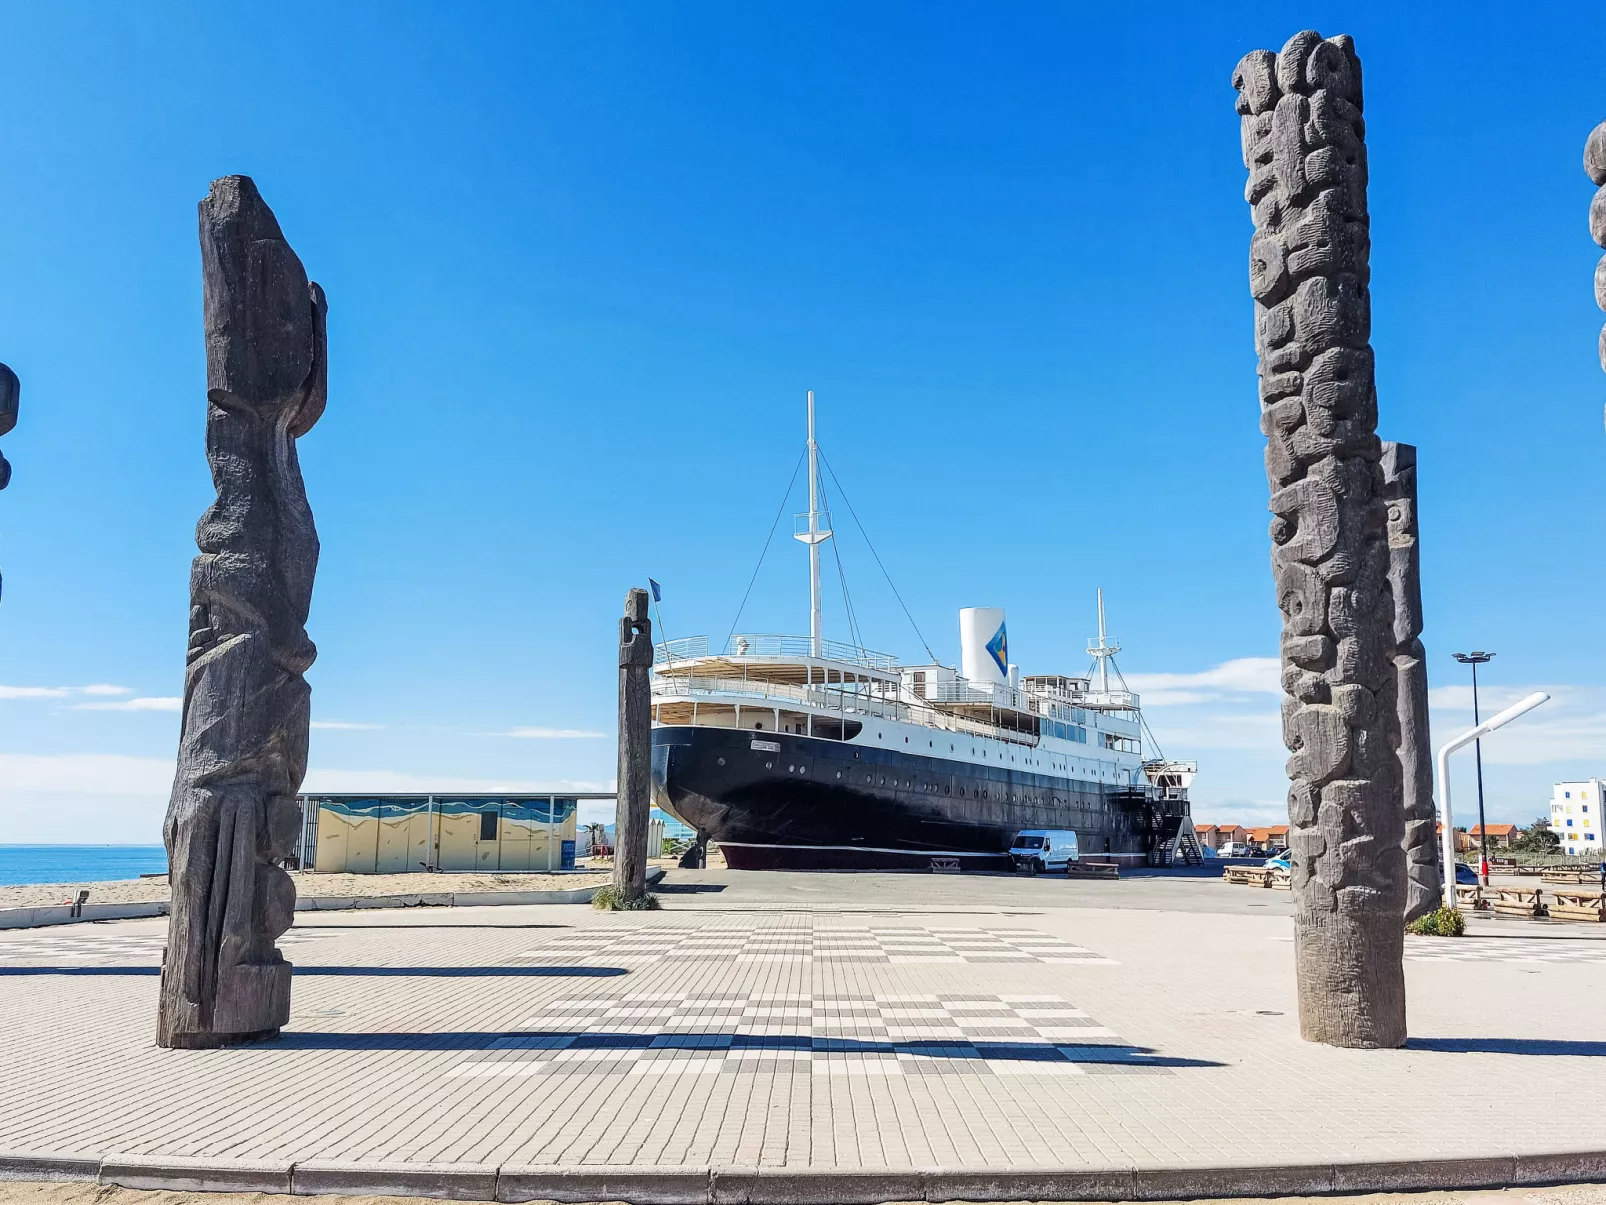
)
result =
(827, 700)
(749, 644)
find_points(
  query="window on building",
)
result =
(1589, 836)
(1569, 825)
(488, 826)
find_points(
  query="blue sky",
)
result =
(584, 258)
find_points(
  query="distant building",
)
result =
(1269, 836)
(391, 834)
(1217, 835)
(1500, 835)
(1575, 817)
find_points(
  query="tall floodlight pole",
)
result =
(1447, 815)
(814, 537)
(1475, 659)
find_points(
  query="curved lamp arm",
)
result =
(1466, 738)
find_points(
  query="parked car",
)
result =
(1236, 849)
(1039, 849)
(1465, 875)
(1280, 861)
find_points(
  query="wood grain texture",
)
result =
(1304, 145)
(233, 820)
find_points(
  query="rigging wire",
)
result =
(842, 576)
(765, 550)
(877, 556)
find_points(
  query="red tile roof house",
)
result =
(1209, 835)
(1501, 835)
(1271, 836)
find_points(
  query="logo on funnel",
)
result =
(998, 650)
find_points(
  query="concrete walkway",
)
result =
(888, 1038)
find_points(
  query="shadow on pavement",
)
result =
(1546, 1046)
(741, 1043)
(302, 971)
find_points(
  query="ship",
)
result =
(798, 752)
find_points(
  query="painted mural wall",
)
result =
(395, 836)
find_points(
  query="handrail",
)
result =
(832, 702)
(751, 644)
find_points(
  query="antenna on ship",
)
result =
(814, 537)
(1103, 651)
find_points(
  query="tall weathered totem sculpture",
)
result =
(10, 392)
(635, 749)
(1423, 888)
(1304, 145)
(233, 821)
(1595, 165)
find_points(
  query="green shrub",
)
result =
(1441, 922)
(613, 899)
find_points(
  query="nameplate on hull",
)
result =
(766, 746)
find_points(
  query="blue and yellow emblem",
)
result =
(998, 649)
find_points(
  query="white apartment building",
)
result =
(1575, 816)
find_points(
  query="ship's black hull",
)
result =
(773, 800)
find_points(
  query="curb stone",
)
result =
(778, 1186)
(449, 1181)
(45, 1165)
(196, 1175)
(544, 1182)
(763, 1186)
(62, 914)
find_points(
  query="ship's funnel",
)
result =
(983, 645)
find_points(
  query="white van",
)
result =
(1040, 849)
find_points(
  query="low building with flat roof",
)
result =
(379, 833)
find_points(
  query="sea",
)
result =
(21, 864)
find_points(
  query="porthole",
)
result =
(791, 769)
(855, 755)
(839, 773)
(802, 769)
(722, 761)
(769, 765)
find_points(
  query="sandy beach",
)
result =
(308, 884)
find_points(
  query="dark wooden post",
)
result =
(1595, 166)
(1423, 889)
(10, 392)
(233, 821)
(635, 749)
(1304, 143)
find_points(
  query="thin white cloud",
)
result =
(1240, 676)
(345, 726)
(551, 734)
(84, 774)
(400, 782)
(143, 704)
(60, 692)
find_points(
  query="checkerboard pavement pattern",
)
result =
(95, 945)
(1558, 950)
(732, 1032)
(397, 1016)
(896, 945)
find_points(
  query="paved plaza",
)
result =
(814, 1023)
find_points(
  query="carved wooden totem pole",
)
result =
(1423, 889)
(1595, 165)
(1304, 146)
(635, 748)
(10, 393)
(233, 820)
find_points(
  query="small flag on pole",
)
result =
(657, 590)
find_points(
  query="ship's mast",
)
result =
(1103, 650)
(814, 537)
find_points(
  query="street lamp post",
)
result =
(1446, 813)
(1475, 659)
